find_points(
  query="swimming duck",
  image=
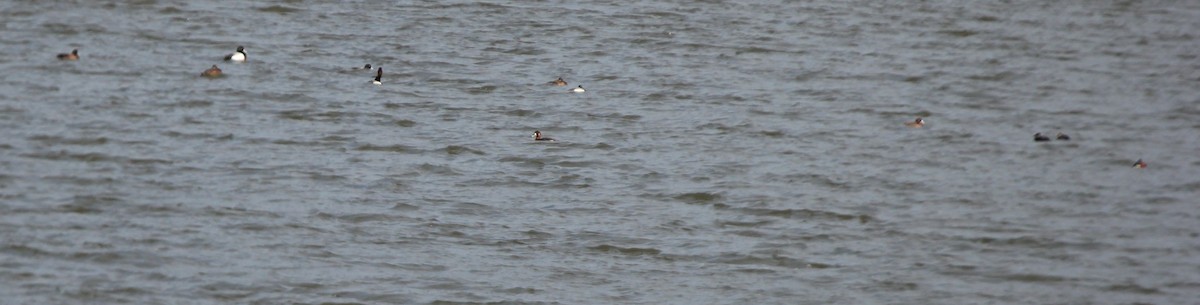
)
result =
(1062, 137)
(1039, 137)
(378, 77)
(212, 72)
(576, 89)
(537, 136)
(74, 55)
(915, 123)
(1139, 164)
(240, 55)
(558, 82)
(366, 67)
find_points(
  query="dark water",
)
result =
(725, 153)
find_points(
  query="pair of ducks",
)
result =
(1039, 137)
(239, 56)
(378, 74)
(561, 82)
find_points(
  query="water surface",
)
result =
(724, 153)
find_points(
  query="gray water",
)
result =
(725, 152)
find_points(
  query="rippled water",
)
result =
(724, 153)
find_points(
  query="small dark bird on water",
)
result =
(1062, 137)
(537, 136)
(915, 123)
(1039, 137)
(74, 55)
(1139, 164)
(378, 77)
(212, 72)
